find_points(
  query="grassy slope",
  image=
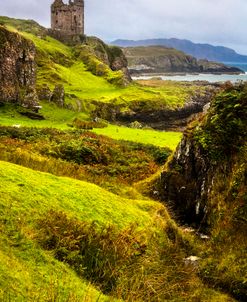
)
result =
(135, 53)
(81, 199)
(57, 64)
(60, 118)
(31, 272)
(28, 272)
(145, 136)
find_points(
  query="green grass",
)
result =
(54, 117)
(58, 64)
(27, 273)
(144, 136)
(83, 200)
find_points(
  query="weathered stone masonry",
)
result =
(68, 19)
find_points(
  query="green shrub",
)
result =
(221, 134)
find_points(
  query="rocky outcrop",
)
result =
(156, 118)
(159, 59)
(201, 177)
(17, 69)
(206, 66)
(167, 119)
(112, 56)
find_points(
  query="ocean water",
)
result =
(212, 78)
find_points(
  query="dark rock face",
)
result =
(207, 173)
(17, 69)
(44, 93)
(186, 184)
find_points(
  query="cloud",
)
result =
(212, 21)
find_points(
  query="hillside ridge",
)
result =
(198, 50)
(160, 59)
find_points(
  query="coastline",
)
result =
(192, 77)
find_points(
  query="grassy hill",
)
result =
(27, 271)
(50, 225)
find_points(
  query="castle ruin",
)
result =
(67, 20)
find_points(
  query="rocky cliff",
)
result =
(17, 69)
(207, 160)
(160, 59)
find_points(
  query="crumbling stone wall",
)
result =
(68, 19)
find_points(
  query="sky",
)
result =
(218, 22)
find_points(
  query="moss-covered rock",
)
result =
(104, 60)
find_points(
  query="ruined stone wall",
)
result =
(68, 19)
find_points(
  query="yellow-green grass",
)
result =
(61, 118)
(145, 136)
(55, 117)
(30, 193)
(27, 273)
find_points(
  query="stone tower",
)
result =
(68, 19)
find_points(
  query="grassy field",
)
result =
(54, 117)
(144, 136)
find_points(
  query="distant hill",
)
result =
(200, 51)
(160, 59)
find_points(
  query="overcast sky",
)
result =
(219, 22)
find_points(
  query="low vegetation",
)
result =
(115, 165)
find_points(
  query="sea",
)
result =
(212, 78)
